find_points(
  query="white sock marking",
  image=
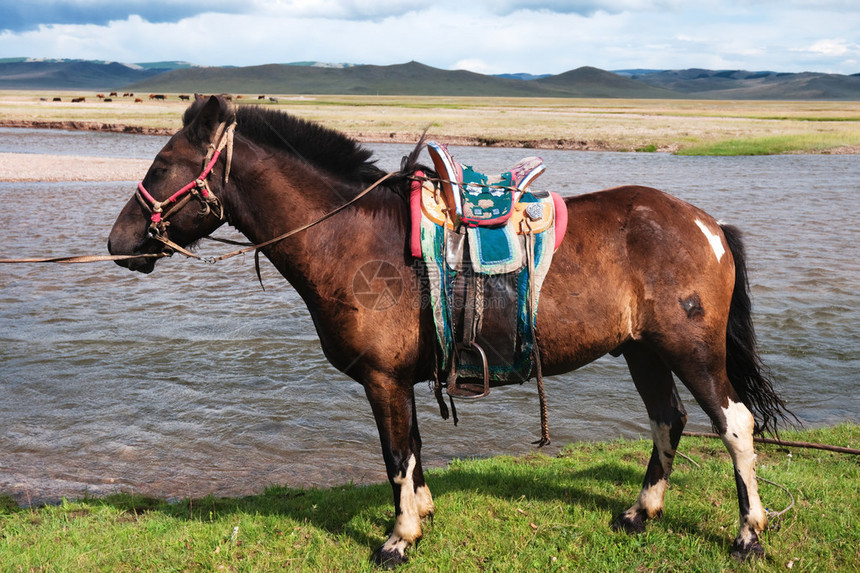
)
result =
(739, 442)
(407, 527)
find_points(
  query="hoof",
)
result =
(628, 524)
(388, 558)
(747, 551)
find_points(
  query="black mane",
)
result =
(312, 142)
(320, 146)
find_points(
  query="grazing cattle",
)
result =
(57, 99)
(261, 97)
(78, 99)
(157, 96)
(184, 97)
(100, 96)
(138, 100)
(113, 94)
(108, 100)
(273, 99)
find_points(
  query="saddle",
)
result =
(476, 200)
(487, 243)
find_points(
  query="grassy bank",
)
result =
(501, 514)
(689, 126)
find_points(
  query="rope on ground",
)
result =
(762, 440)
(773, 517)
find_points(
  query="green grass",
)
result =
(499, 514)
(774, 145)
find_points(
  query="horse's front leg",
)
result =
(393, 405)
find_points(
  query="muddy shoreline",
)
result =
(392, 137)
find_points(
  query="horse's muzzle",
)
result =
(143, 264)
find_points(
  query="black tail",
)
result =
(746, 371)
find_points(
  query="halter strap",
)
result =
(224, 137)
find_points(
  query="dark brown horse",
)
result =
(640, 274)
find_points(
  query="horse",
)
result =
(640, 274)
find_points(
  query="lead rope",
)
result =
(167, 242)
(82, 258)
(544, 416)
(303, 227)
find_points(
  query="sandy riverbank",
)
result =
(39, 167)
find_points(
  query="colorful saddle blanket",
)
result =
(486, 264)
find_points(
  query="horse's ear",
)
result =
(207, 119)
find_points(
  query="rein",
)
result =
(163, 238)
(83, 258)
(258, 246)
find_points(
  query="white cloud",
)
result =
(831, 47)
(482, 36)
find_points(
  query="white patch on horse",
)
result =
(407, 527)
(651, 498)
(739, 442)
(425, 501)
(714, 239)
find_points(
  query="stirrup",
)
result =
(469, 389)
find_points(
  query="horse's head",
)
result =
(177, 202)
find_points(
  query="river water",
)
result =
(192, 380)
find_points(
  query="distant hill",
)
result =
(163, 66)
(521, 76)
(741, 84)
(595, 83)
(315, 64)
(414, 78)
(20, 74)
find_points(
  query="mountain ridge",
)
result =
(417, 79)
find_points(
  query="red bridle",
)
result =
(160, 211)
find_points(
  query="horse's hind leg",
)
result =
(393, 407)
(654, 382)
(710, 386)
(735, 423)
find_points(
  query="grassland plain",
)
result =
(704, 127)
(499, 514)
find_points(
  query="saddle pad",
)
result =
(495, 250)
(495, 254)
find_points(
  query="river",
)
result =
(192, 380)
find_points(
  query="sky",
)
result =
(484, 36)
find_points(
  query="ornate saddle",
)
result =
(476, 200)
(487, 243)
